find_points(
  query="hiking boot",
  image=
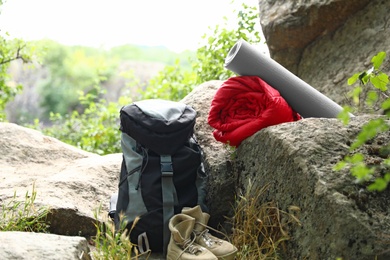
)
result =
(220, 248)
(182, 243)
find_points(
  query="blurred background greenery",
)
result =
(74, 93)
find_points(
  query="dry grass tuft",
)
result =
(260, 230)
(114, 244)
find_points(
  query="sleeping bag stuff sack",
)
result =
(243, 105)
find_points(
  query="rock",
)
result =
(35, 246)
(326, 42)
(328, 62)
(217, 156)
(291, 26)
(339, 218)
(72, 182)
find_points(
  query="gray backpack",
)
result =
(162, 170)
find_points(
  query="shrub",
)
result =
(372, 92)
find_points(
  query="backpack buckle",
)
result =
(166, 165)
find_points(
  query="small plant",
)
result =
(23, 216)
(260, 230)
(372, 92)
(112, 244)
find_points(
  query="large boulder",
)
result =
(291, 26)
(339, 218)
(326, 42)
(73, 183)
(217, 156)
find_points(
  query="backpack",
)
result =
(162, 170)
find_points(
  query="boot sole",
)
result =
(230, 256)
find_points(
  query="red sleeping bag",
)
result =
(243, 105)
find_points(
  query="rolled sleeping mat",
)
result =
(245, 60)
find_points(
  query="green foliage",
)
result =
(146, 53)
(11, 50)
(174, 82)
(373, 86)
(210, 58)
(78, 68)
(23, 216)
(374, 83)
(93, 124)
(71, 70)
(95, 130)
(72, 93)
(370, 131)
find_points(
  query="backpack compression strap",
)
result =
(168, 195)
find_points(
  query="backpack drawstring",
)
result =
(145, 155)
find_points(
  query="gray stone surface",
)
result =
(339, 218)
(217, 156)
(325, 42)
(73, 183)
(291, 26)
(328, 62)
(37, 246)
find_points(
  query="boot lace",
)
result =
(189, 246)
(209, 239)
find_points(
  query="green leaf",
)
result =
(380, 184)
(353, 79)
(380, 81)
(356, 94)
(364, 77)
(340, 165)
(344, 115)
(361, 172)
(377, 60)
(369, 131)
(356, 158)
(372, 97)
(386, 104)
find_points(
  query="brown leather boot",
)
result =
(182, 244)
(220, 248)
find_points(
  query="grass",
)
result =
(23, 215)
(112, 244)
(260, 230)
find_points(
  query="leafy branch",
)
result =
(374, 82)
(17, 56)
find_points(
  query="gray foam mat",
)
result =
(244, 59)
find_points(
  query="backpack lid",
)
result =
(160, 125)
(161, 109)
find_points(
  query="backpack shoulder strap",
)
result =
(169, 195)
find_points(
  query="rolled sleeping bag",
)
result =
(245, 60)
